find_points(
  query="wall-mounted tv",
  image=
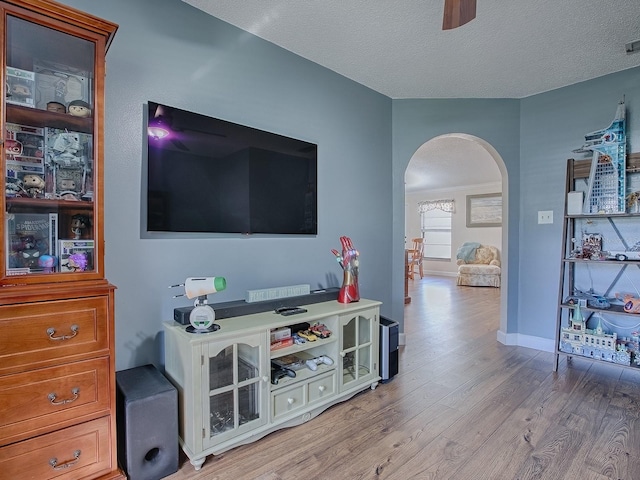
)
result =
(208, 175)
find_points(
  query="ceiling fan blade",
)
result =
(457, 13)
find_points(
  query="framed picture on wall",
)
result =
(484, 210)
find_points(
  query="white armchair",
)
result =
(481, 269)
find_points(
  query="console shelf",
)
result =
(226, 396)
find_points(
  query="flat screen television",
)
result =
(208, 175)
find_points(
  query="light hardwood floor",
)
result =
(462, 407)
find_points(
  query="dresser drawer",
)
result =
(287, 401)
(73, 453)
(42, 400)
(48, 333)
(322, 388)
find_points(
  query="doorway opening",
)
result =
(448, 169)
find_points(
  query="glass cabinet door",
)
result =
(359, 351)
(51, 223)
(234, 401)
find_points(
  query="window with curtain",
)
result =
(435, 224)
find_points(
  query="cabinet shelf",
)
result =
(614, 309)
(602, 262)
(295, 348)
(302, 375)
(45, 204)
(597, 360)
(34, 117)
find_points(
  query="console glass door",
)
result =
(236, 393)
(358, 351)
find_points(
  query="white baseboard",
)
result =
(439, 273)
(528, 341)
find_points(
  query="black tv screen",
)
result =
(214, 176)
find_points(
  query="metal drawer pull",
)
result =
(52, 397)
(54, 461)
(51, 332)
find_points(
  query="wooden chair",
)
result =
(414, 259)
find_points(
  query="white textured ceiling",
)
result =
(513, 48)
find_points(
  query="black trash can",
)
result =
(389, 334)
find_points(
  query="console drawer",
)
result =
(322, 387)
(287, 401)
(43, 334)
(42, 400)
(72, 453)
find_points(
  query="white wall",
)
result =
(459, 231)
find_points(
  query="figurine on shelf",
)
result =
(29, 252)
(348, 260)
(33, 184)
(77, 262)
(79, 108)
(47, 263)
(631, 302)
(66, 187)
(19, 91)
(79, 223)
(14, 188)
(56, 107)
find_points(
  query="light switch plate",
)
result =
(545, 216)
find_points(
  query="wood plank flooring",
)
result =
(462, 407)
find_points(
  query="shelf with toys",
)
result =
(599, 301)
(303, 350)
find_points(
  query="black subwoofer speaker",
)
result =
(147, 420)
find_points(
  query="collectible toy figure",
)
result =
(13, 188)
(631, 302)
(20, 91)
(77, 262)
(79, 108)
(47, 263)
(29, 253)
(56, 107)
(78, 224)
(349, 262)
(33, 184)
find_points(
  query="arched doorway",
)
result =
(456, 165)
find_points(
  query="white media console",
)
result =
(226, 397)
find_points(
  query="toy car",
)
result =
(320, 330)
(625, 255)
(593, 300)
(632, 253)
(307, 335)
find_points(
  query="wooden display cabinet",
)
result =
(57, 369)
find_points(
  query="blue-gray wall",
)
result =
(168, 52)
(534, 137)
(495, 121)
(552, 125)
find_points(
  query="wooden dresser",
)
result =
(57, 369)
